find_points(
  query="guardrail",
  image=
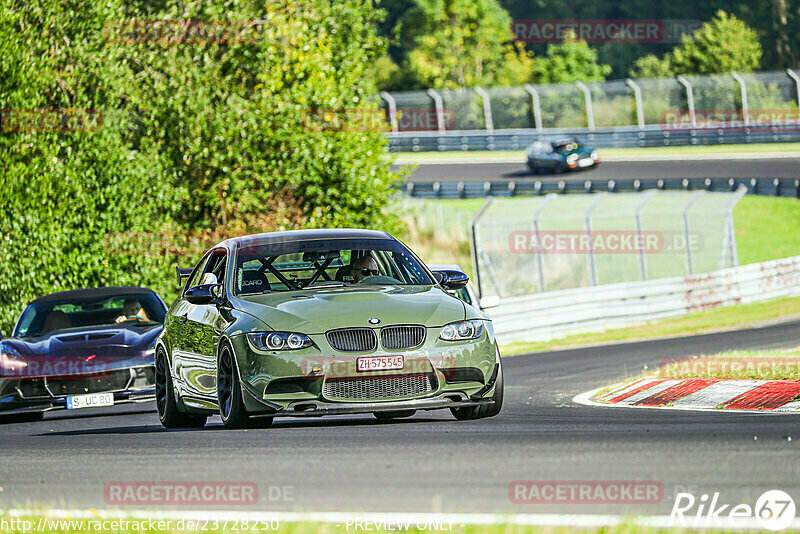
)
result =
(621, 137)
(781, 187)
(737, 108)
(555, 314)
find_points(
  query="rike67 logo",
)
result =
(774, 510)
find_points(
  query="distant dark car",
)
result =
(560, 154)
(81, 349)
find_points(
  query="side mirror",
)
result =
(183, 274)
(204, 294)
(490, 301)
(451, 279)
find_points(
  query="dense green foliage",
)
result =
(724, 44)
(461, 43)
(775, 23)
(272, 126)
(570, 61)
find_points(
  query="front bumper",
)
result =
(42, 394)
(322, 381)
(319, 408)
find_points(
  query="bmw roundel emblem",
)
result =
(374, 320)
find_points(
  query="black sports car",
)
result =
(560, 154)
(81, 349)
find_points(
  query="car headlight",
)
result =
(279, 341)
(462, 330)
(10, 358)
(572, 159)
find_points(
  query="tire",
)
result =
(232, 411)
(398, 414)
(469, 413)
(533, 168)
(168, 412)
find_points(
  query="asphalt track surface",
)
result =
(432, 462)
(616, 170)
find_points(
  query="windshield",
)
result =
(41, 318)
(567, 147)
(266, 267)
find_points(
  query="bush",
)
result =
(273, 126)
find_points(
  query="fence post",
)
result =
(437, 101)
(539, 261)
(392, 109)
(638, 220)
(686, 242)
(487, 108)
(537, 106)
(473, 239)
(793, 75)
(689, 99)
(743, 90)
(637, 97)
(729, 241)
(587, 97)
(588, 224)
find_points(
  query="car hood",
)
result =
(316, 311)
(582, 151)
(85, 350)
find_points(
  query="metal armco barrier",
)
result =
(556, 314)
(782, 187)
(620, 137)
(760, 107)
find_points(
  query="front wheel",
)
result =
(168, 412)
(486, 410)
(229, 395)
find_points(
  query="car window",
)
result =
(333, 262)
(197, 274)
(128, 309)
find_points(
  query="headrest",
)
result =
(253, 282)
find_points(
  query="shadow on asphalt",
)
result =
(217, 425)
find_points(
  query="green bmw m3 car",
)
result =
(322, 322)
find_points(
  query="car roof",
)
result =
(94, 292)
(444, 266)
(556, 139)
(306, 235)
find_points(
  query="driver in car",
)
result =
(364, 267)
(132, 311)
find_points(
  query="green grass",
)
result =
(616, 152)
(736, 316)
(767, 228)
(740, 365)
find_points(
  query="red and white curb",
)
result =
(770, 396)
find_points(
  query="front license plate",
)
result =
(90, 401)
(379, 363)
(586, 162)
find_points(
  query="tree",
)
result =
(721, 45)
(651, 66)
(461, 43)
(218, 119)
(571, 61)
